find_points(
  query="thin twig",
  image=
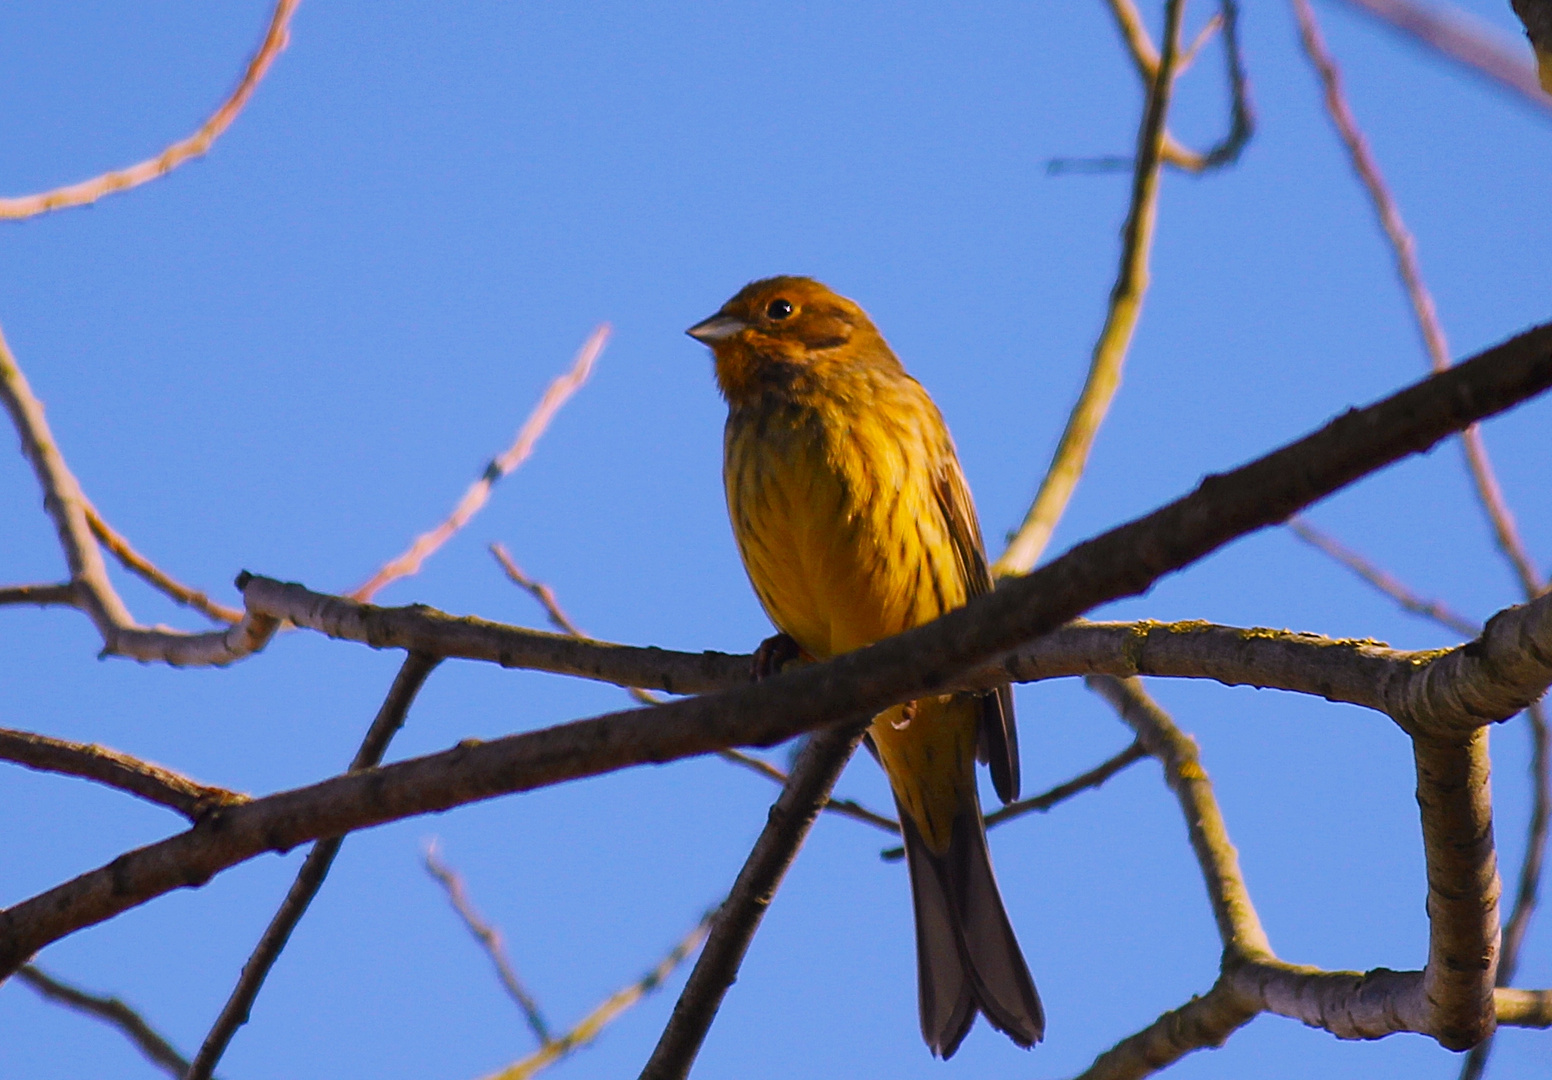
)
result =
(1239, 928)
(426, 544)
(90, 589)
(1397, 590)
(142, 567)
(1057, 795)
(562, 622)
(112, 1011)
(589, 1027)
(89, 191)
(1126, 297)
(1450, 35)
(490, 940)
(1145, 59)
(390, 717)
(1404, 250)
(819, 764)
(141, 778)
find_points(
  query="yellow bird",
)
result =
(855, 523)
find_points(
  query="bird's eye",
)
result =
(778, 310)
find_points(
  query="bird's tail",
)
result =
(967, 958)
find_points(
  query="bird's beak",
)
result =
(717, 328)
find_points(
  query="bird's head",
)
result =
(773, 328)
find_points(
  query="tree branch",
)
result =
(1115, 338)
(1119, 563)
(390, 718)
(589, 1027)
(1424, 311)
(426, 544)
(1502, 671)
(1452, 37)
(489, 939)
(148, 572)
(141, 778)
(60, 594)
(91, 591)
(1435, 610)
(111, 1010)
(89, 191)
(817, 768)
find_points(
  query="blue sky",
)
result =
(292, 356)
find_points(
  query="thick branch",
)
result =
(1448, 691)
(91, 762)
(1120, 563)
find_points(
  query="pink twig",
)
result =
(478, 494)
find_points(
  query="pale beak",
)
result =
(717, 328)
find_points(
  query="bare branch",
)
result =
(91, 762)
(89, 191)
(1429, 609)
(1121, 562)
(91, 591)
(426, 544)
(1426, 314)
(1145, 59)
(1046, 800)
(1201, 1022)
(390, 717)
(1126, 297)
(1524, 1008)
(1535, 846)
(490, 940)
(1450, 691)
(1451, 36)
(157, 1050)
(817, 768)
(139, 565)
(1239, 927)
(53, 594)
(594, 1022)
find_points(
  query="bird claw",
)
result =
(774, 653)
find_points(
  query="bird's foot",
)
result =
(774, 654)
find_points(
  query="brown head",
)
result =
(772, 330)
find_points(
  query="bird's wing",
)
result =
(998, 732)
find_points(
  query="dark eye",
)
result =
(779, 310)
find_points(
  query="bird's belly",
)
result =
(825, 570)
(845, 549)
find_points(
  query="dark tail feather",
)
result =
(967, 959)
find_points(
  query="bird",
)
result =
(855, 522)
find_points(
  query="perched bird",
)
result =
(855, 523)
